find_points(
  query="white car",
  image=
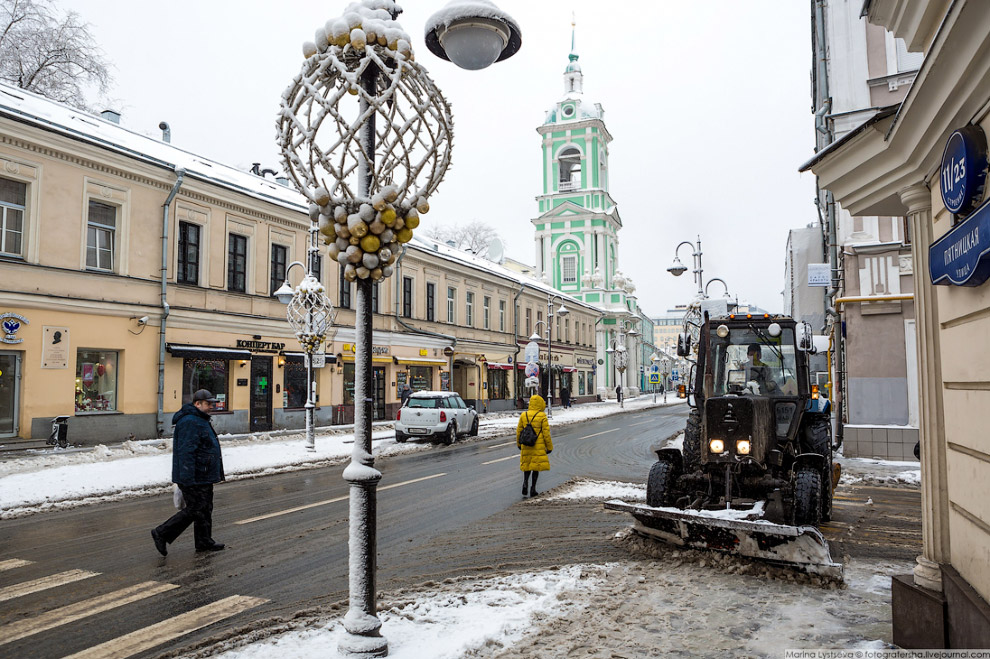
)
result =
(435, 414)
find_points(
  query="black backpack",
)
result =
(528, 435)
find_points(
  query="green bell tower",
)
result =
(577, 243)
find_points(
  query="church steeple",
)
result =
(573, 79)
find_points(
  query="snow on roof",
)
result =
(436, 248)
(28, 108)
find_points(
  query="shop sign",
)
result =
(261, 346)
(964, 170)
(9, 324)
(584, 361)
(960, 256)
(375, 350)
(55, 350)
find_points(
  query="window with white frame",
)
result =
(451, 304)
(501, 315)
(469, 309)
(101, 229)
(568, 267)
(13, 199)
(486, 319)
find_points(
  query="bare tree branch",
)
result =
(50, 54)
(476, 236)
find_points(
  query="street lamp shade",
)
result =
(473, 35)
(535, 337)
(677, 268)
(609, 350)
(562, 311)
(632, 332)
(284, 293)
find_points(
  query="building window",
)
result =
(279, 253)
(407, 293)
(209, 374)
(188, 270)
(96, 381)
(294, 383)
(567, 331)
(529, 323)
(451, 302)
(421, 378)
(431, 301)
(569, 162)
(237, 263)
(100, 230)
(501, 315)
(469, 310)
(348, 383)
(568, 266)
(498, 384)
(487, 313)
(345, 291)
(374, 297)
(13, 197)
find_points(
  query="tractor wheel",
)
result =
(692, 441)
(660, 485)
(818, 436)
(451, 434)
(808, 497)
(474, 427)
(827, 494)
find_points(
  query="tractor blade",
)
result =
(802, 547)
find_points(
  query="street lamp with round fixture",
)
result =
(562, 312)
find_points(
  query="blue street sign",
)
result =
(962, 256)
(964, 169)
(654, 369)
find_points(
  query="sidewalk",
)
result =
(76, 477)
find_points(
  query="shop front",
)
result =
(585, 379)
(383, 397)
(222, 370)
(498, 385)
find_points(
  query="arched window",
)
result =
(569, 161)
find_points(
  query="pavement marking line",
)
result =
(604, 432)
(510, 457)
(640, 423)
(162, 632)
(12, 563)
(44, 583)
(328, 501)
(501, 445)
(64, 615)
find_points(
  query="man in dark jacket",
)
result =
(196, 466)
(404, 395)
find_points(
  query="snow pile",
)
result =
(474, 617)
(880, 472)
(589, 489)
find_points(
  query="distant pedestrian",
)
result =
(196, 465)
(404, 395)
(565, 396)
(618, 394)
(533, 459)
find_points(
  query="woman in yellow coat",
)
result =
(533, 459)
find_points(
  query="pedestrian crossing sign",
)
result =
(654, 378)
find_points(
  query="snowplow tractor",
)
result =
(755, 474)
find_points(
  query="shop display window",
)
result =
(96, 381)
(421, 378)
(581, 383)
(209, 374)
(348, 384)
(294, 384)
(498, 384)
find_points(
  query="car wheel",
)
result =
(400, 437)
(474, 427)
(451, 434)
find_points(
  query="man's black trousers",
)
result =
(198, 512)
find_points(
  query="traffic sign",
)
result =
(532, 369)
(654, 378)
(654, 369)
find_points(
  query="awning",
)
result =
(350, 359)
(570, 369)
(206, 352)
(421, 361)
(300, 357)
(500, 366)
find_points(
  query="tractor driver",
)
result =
(757, 371)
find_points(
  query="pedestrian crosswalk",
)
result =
(141, 640)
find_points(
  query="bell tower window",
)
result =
(569, 161)
(568, 268)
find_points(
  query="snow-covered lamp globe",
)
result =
(473, 34)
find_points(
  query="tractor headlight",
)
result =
(716, 446)
(722, 331)
(743, 447)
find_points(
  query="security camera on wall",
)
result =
(143, 320)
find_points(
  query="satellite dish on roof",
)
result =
(496, 251)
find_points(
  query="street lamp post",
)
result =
(310, 315)
(368, 177)
(562, 312)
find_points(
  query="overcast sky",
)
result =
(707, 102)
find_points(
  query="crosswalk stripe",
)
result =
(334, 500)
(89, 607)
(44, 583)
(12, 563)
(162, 632)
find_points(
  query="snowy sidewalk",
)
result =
(144, 467)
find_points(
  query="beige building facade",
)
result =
(92, 330)
(890, 166)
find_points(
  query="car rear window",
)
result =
(430, 403)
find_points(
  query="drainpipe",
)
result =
(398, 317)
(515, 335)
(180, 173)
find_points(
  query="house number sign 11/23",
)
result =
(964, 170)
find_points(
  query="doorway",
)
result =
(378, 384)
(261, 393)
(10, 381)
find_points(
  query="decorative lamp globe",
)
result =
(472, 34)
